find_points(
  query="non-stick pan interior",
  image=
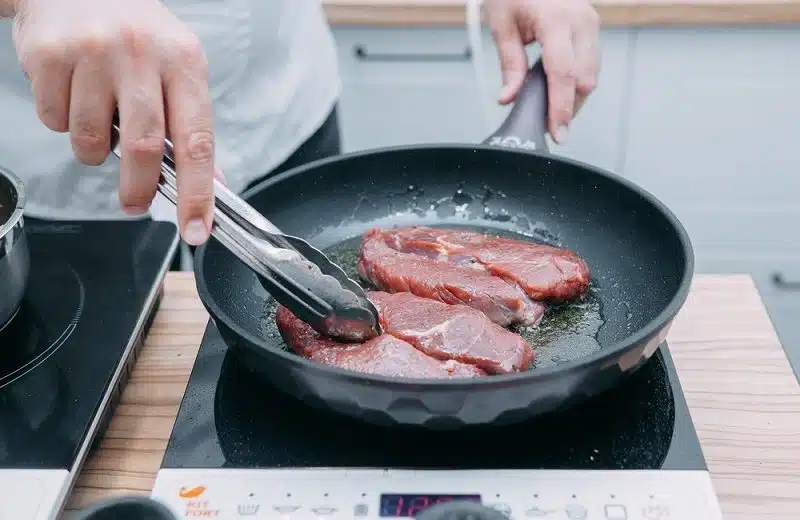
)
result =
(637, 252)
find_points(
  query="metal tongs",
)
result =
(295, 273)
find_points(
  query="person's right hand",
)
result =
(87, 57)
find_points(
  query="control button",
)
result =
(655, 512)
(247, 509)
(576, 512)
(502, 508)
(360, 510)
(616, 512)
(286, 509)
(539, 512)
(324, 511)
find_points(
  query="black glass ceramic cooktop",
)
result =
(231, 419)
(88, 285)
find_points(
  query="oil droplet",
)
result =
(627, 309)
(499, 216)
(460, 197)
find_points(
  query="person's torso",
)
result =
(273, 78)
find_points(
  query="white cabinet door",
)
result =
(783, 305)
(714, 118)
(408, 86)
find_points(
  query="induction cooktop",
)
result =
(64, 358)
(240, 447)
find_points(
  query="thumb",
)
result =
(513, 60)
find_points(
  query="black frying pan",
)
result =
(640, 255)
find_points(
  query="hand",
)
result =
(87, 57)
(568, 32)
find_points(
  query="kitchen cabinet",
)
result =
(410, 86)
(780, 292)
(711, 124)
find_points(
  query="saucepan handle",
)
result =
(526, 124)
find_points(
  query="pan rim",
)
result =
(19, 207)
(652, 328)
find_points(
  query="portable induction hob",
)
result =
(240, 448)
(92, 292)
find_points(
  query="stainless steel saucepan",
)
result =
(14, 255)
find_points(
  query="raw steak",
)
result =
(451, 282)
(454, 332)
(544, 272)
(384, 355)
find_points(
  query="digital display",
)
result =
(410, 505)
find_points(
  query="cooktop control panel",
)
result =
(31, 494)
(359, 494)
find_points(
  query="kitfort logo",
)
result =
(193, 492)
(195, 502)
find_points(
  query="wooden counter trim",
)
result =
(613, 13)
(742, 393)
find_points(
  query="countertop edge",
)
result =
(612, 14)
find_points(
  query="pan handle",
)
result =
(526, 124)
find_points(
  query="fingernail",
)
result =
(195, 232)
(562, 134)
(136, 210)
(220, 176)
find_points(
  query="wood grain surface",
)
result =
(613, 13)
(743, 397)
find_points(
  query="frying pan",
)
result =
(14, 254)
(640, 255)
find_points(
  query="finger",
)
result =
(511, 52)
(51, 83)
(189, 121)
(220, 176)
(90, 111)
(142, 125)
(587, 63)
(558, 59)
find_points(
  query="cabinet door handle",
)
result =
(361, 53)
(781, 282)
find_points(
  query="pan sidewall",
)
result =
(436, 406)
(453, 403)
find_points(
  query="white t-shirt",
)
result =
(273, 76)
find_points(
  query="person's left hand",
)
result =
(568, 32)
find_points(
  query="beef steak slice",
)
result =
(452, 332)
(456, 280)
(545, 273)
(385, 355)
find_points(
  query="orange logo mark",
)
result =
(191, 492)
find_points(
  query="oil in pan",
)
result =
(567, 332)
